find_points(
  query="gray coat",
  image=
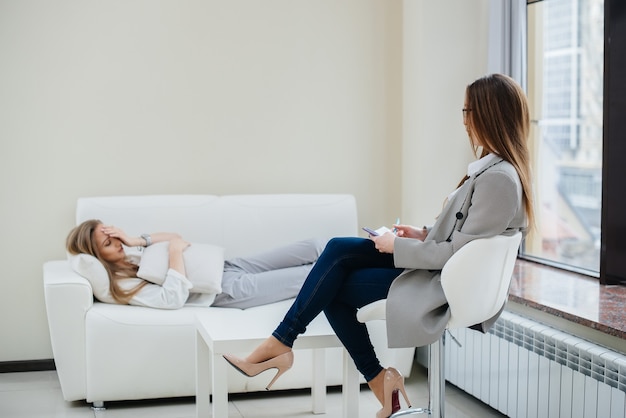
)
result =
(489, 203)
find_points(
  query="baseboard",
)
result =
(27, 366)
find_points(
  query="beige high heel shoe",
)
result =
(282, 362)
(393, 383)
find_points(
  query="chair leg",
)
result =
(436, 384)
(437, 379)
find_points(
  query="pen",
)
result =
(397, 223)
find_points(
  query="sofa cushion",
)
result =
(204, 266)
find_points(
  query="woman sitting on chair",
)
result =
(493, 198)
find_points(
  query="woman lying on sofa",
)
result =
(245, 282)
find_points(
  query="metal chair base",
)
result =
(411, 411)
(436, 384)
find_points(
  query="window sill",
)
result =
(573, 302)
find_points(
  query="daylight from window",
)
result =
(565, 81)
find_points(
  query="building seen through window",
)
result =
(565, 85)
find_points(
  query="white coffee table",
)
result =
(215, 337)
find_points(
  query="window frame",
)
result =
(613, 202)
(613, 223)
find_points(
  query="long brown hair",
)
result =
(499, 120)
(81, 240)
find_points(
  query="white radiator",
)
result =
(526, 369)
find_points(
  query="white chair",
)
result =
(476, 282)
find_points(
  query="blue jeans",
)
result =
(349, 274)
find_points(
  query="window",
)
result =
(565, 90)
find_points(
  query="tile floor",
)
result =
(38, 395)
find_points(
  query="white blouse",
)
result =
(171, 295)
(475, 166)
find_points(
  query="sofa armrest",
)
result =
(68, 297)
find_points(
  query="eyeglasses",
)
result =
(465, 111)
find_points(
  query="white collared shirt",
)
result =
(476, 166)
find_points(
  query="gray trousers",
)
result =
(268, 277)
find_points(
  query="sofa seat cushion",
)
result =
(132, 316)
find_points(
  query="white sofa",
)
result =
(105, 352)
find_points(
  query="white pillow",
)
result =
(204, 266)
(92, 269)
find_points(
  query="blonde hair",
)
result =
(81, 240)
(499, 121)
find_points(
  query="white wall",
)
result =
(239, 96)
(445, 49)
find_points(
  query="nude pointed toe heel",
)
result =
(393, 383)
(282, 362)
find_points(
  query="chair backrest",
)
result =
(477, 277)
